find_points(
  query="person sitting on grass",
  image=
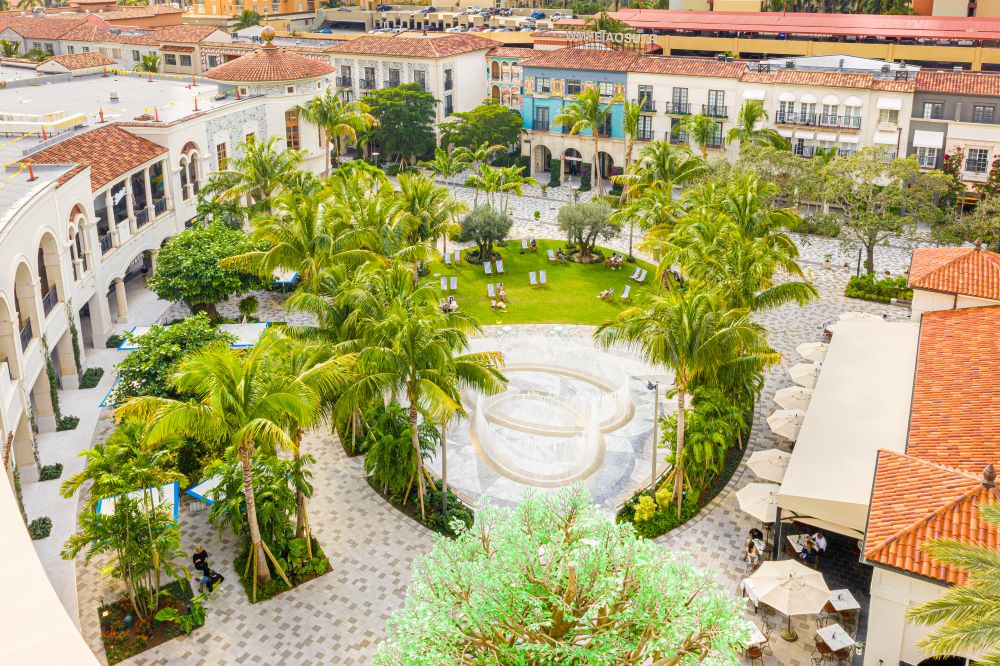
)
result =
(501, 292)
(534, 245)
(452, 304)
(443, 305)
(606, 294)
(498, 305)
(561, 256)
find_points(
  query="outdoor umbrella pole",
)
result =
(788, 633)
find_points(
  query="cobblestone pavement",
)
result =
(340, 617)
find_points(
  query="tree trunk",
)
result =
(656, 421)
(679, 474)
(329, 156)
(444, 472)
(415, 440)
(631, 225)
(870, 258)
(597, 165)
(301, 520)
(256, 548)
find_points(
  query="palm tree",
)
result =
(246, 19)
(688, 332)
(406, 340)
(747, 132)
(588, 113)
(261, 172)
(430, 210)
(630, 126)
(338, 119)
(480, 155)
(149, 63)
(132, 3)
(238, 403)
(29, 4)
(448, 165)
(9, 47)
(704, 130)
(970, 611)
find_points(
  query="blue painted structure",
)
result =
(555, 102)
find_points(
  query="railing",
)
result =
(984, 120)
(845, 122)
(647, 105)
(422, 84)
(49, 301)
(678, 108)
(540, 125)
(448, 84)
(933, 115)
(788, 118)
(106, 243)
(927, 161)
(805, 151)
(344, 82)
(26, 335)
(846, 153)
(978, 168)
(714, 111)
(367, 84)
(393, 83)
(644, 135)
(160, 206)
(141, 218)
(678, 138)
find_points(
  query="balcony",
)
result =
(542, 125)
(804, 151)
(644, 135)
(26, 335)
(448, 84)
(141, 218)
(678, 108)
(367, 84)
(49, 301)
(842, 122)
(160, 206)
(714, 111)
(106, 243)
(393, 83)
(846, 153)
(983, 119)
(927, 161)
(646, 104)
(807, 119)
(344, 82)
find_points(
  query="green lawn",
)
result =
(569, 297)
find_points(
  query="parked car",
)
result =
(384, 8)
(324, 31)
(501, 30)
(457, 28)
(427, 10)
(506, 11)
(537, 15)
(560, 15)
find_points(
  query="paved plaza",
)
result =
(340, 617)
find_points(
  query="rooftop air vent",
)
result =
(114, 95)
(789, 64)
(885, 69)
(956, 68)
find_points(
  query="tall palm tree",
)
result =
(588, 113)
(258, 174)
(701, 128)
(339, 121)
(630, 126)
(238, 403)
(448, 165)
(246, 19)
(408, 341)
(690, 333)
(970, 612)
(747, 132)
(428, 207)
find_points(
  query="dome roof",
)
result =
(269, 63)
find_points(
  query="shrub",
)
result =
(114, 341)
(817, 225)
(40, 528)
(91, 378)
(869, 288)
(555, 170)
(248, 307)
(50, 472)
(67, 423)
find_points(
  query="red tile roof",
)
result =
(87, 33)
(414, 46)
(959, 84)
(182, 34)
(33, 27)
(689, 67)
(83, 60)
(110, 152)
(800, 77)
(957, 270)
(269, 63)
(579, 58)
(914, 501)
(509, 52)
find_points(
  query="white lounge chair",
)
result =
(499, 266)
(447, 258)
(444, 284)
(491, 290)
(625, 292)
(458, 256)
(641, 278)
(552, 256)
(635, 273)
(524, 244)
(454, 284)
(488, 267)
(541, 277)
(532, 279)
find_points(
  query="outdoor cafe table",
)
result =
(798, 541)
(756, 637)
(835, 637)
(842, 601)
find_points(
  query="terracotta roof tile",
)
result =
(914, 501)
(955, 411)
(36, 27)
(109, 151)
(959, 83)
(509, 52)
(126, 13)
(414, 46)
(689, 67)
(87, 33)
(83, 60)
(800, 77)
(579, 58)
(177, 48)
(182, 34)
(270, 63)
(957, 270)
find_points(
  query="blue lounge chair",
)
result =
(454, 284)
(491, 290)
(625, 292)
(541, 277)
(499, 266)
(488, 267)
(532, 279)
(447, 258)
(635, 273)
(444, 284)
(552, 256)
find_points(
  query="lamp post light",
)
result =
(655, 388)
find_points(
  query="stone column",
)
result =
(152, 261)
(150, 213)
(24, 451)
(112, 222)
(120, 298)
(100, 318)
(45, 416)
(67, 362)
(130, 206)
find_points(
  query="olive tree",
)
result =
(583, 223)
(485, 226)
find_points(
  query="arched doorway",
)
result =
(495, 70)
(49, 274)
(605, 163)
(8, 337)
(572, 161)
(26, 303)
(543, 159)
(505, 71)
(495, 93)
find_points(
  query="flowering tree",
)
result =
(953, 169)
(554, 581)
(992, 184)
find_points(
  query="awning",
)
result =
(165, 496)
(808, 98)
(826, 136)
(831, 99)
(804, 134)
(786, 97)
(787, 133)
(853, 101)
(849, 138)
(926, 139)
(753, 93)
(885, 138)
(861, 403)
(892, 103)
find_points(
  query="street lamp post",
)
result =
(655, 388)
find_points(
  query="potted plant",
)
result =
(827, 261)
(538, 215)
(545, 189)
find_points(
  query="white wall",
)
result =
(927, 301)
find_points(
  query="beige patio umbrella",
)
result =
(760, 500)
(790, 587)
(814, 351)
(770, 465)
(805, 374)
(786, 422)
(848, 316)
(793, 397)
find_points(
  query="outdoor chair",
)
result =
(767, 629)
(458, 256)
(849, 620)
(454, 283)
(524, 244)
(532, 279)
(625, 292)
(635, 273)
(488, 267)
(447, 259)
(444, 284)
(755, 654)
(641, 278)
(499, 266)
(552, 256)
(541, 277)
(491, 290)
